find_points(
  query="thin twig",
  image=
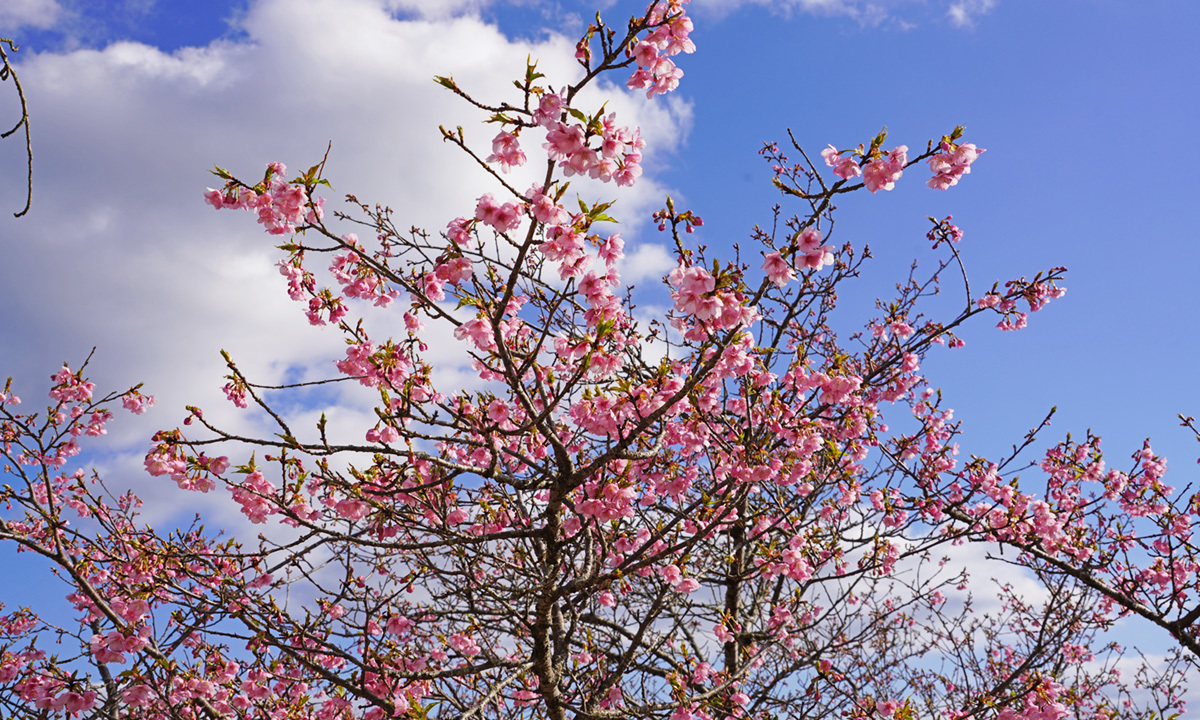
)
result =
(6, 72)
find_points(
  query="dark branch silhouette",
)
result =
(6, 72)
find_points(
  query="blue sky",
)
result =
(1087, 109)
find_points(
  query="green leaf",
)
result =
(287, 438)
(531, 72)
(248, 467)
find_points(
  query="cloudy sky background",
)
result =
(1087, 109)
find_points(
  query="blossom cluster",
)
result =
(1035, 293)
(655, 71)
(809, 253)
(697, 296)
(951, 163)
(168, 458)
(281, 206)
(843, 162)
(617, 158)
(355, 275)
(506, 151)
(885, 168)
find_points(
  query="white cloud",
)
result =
(963, 13)
(119, 250)
(15, 14)
(646, 264)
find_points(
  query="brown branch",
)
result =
(5, 72)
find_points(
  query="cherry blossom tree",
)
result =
(693, 514)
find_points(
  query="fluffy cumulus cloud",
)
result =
(120, 252)
(16, 14)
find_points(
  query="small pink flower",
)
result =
(399, 625)
(352, 509)
(501, 217)
(550, 109)
(951, 164)
(73, 703)
(497, 411)
(137, 696)
(843, 167)
(458, 231)
(813, 254)
(479, 332)
(432, 286)
(883, 172)
(645, 54)
(236, 392)
(778, 270)
(463, 644)
(455, 271)
(506, 150)
(722, 633)
(564, 141)
(137, 403)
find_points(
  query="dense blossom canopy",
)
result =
(692, 514)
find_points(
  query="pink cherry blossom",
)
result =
(811, 253)
(503, 217)
(843, 167)
(506, 150)
(550, 109)
(882, 172)
(951, 163)
(777, 269)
